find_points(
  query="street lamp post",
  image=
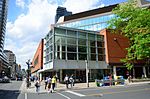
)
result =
(87, 71)
(28, 72)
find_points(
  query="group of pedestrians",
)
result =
(50, 84)
(69, 80)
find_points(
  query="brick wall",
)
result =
(37, 61)
(114, 46)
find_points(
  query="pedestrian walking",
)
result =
(71, 80)
(37, 86)
(66, 80)
(46, 82)
(53, 83)
(49, 81)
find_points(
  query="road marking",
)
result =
(26, 96)
(63, 95)
(75, 93)
(126, 91)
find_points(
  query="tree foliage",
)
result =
(133, 22)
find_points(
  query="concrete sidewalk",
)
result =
(62, 87)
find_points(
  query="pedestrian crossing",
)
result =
(75, 93)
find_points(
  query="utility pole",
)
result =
(87, 71)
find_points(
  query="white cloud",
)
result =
(24, 34)
(20, 3)
(80, 5)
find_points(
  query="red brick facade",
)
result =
(114, 46)
(37, 61)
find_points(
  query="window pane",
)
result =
(71, 33)
(100, 44)
(59, 31)
(57, 39)
(71, 41)
(57, 55)
(82, 35)
(57, 47)
(82, 56)
(93, 50)
(101, 51)
(72, 56)
(101, 58)
(71, 48)
(99, 38)
(51, 48)
(50, 56)
(63, 55)
(93, 56)
(82, 42)
(63, 48)
(92, 43)
(91, 36)
(82, 49)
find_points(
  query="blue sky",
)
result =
(29, 21)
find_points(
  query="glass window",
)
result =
(57, 47)
(101, 57)
(82, 42)
(91, 36)
(51, 48)
(57, 39)
(60, 38)
(82, 56)
(100, 44)
(100, 38)
(72, 56)
(71, 33)
(71, 41)
(92, 43)
(50, 56)
(63, 48)
(101, 51)
(63, 55)
(93, 56)
(47, 58)
(57, 55)
(105, 18)
(50, 41)
(71, 48)
(47, 50)
(93, 50)
(97, 20)
(63, 40)
(82, 49)
(103, 25)
(82, 35)
(59, 31)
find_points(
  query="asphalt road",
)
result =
(11, 91)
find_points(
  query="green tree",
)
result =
(133, 22)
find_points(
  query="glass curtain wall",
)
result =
(94, 24)
(48, 47)
(78, 45)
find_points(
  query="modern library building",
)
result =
(80, 42)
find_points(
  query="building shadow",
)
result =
(9, 94)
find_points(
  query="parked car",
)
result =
(5, 79)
